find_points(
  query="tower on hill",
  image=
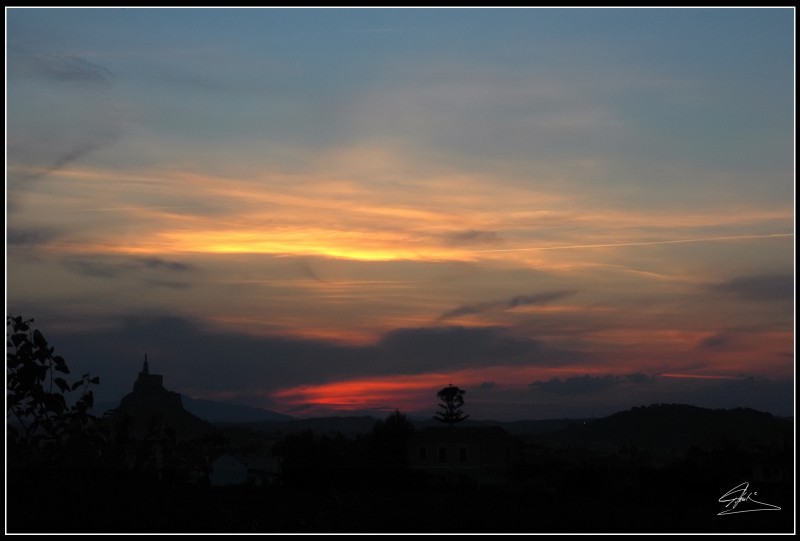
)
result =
(150, 402)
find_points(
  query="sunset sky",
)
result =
(566, 212)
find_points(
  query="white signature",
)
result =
(738, 495)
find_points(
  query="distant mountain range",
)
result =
(662, 427)
(351, 425)
(656, 427)
(216, 412)
(220, 412)
(363, 424)
(271, 421)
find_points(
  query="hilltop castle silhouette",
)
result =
(150, 406)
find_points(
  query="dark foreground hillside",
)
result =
(584, 500)
(650, 470)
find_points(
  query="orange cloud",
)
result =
(410, 393)
(406, 393)
(355, 218)
(375, 211)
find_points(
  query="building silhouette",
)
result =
(479, 456)
(150, 408)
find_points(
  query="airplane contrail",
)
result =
(642, 243)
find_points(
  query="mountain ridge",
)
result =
(223, 412)
(664, 427)
(655, 425)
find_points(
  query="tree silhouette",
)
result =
(389, 439)
(452, 398)
(43, 426)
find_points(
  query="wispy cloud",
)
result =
(93, 268)
(537, 299)
(113, 267)
(644, 243)
(57, 67)
(472, 236)
(718, 341)
(84, 118)
(16, 236)
(314, 213)
(764, 287)
(158, 263)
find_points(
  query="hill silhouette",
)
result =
(151, 407)
(666, 427)
(221, 412)
(658, 427)
(356, 424)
